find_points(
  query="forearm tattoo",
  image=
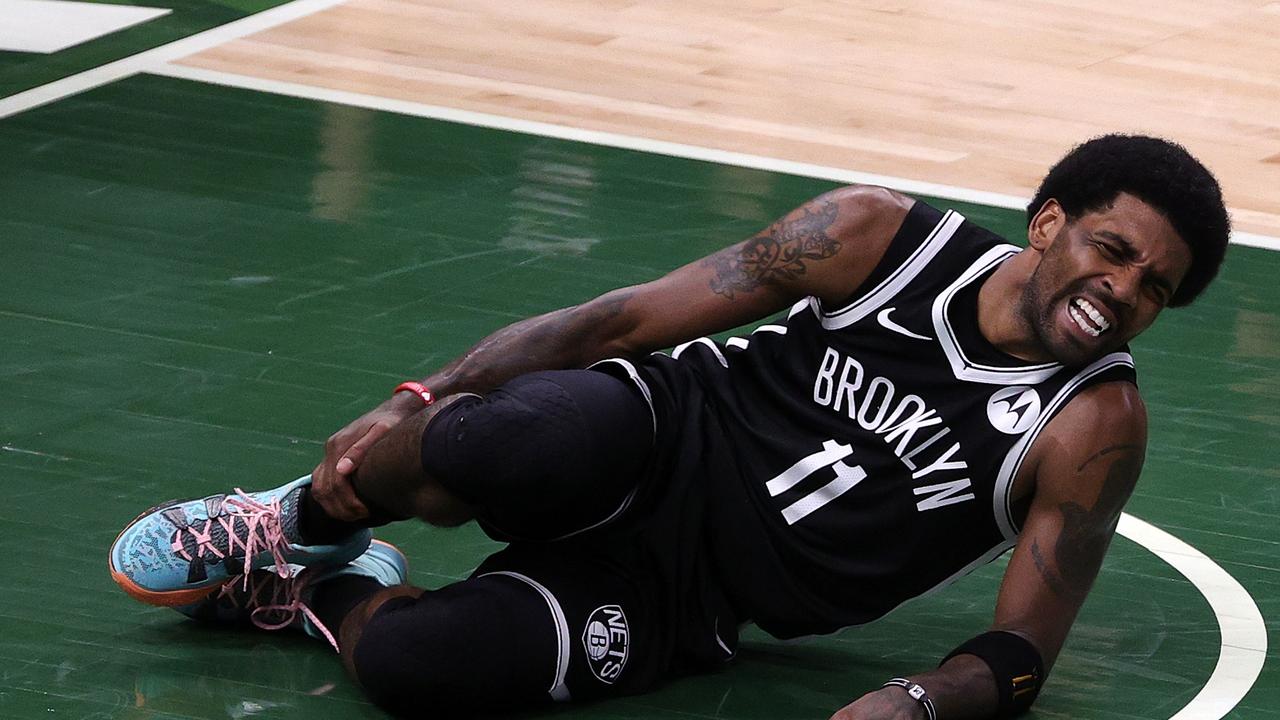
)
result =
(780, 252)
(1087, 531)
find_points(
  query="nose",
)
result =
(1125, 284)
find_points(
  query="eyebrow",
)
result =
(1130, 251)
(1117, 237)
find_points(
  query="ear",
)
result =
(1046, 225)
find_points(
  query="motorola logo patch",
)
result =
(607, 639)
(1014, 410)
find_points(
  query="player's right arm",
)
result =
(824, 248)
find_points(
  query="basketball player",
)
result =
(930, 397)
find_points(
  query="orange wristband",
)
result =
(418, 389)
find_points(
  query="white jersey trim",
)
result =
(740, 343)
(809, 303)
(1002, 506)
(899, 278)
(679, 350)
(558, 690)
(961, 366)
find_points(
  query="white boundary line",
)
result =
(157, 61)
(1243, 631)
(146, 60)
(626, 142)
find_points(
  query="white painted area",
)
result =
(627, 142)
(135, 64)
(47, 26)
(1243, 631)
(1254, 240)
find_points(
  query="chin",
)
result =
(1068, 351)
(1065, 343)
(1072, 354)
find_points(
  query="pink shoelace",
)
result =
(262, 532)
(285, 597)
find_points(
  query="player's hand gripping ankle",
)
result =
(331, 481)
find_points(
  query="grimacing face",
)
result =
(1102, 278)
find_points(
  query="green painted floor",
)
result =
(198, 285)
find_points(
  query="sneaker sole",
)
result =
(404, 561)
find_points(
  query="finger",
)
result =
(342, 506)
(351, 459)
(334, 494)
(352, 502)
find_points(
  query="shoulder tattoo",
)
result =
(1086, 532)
(780, 252)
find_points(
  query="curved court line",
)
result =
(1244, 634)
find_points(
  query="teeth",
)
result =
(1084, 324)
(1091, 311)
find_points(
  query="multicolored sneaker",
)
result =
(276, 598)
(178, 552)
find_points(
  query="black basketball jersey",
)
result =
(863, 455)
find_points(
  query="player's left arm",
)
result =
(1084, 466)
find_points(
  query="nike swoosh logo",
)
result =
(883, 318)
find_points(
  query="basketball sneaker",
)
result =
(178, 552)
(275, 598)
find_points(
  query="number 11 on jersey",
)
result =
(832, 456)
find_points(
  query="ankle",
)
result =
(316, 527)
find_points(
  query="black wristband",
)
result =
(1016, 664)
(916, 693)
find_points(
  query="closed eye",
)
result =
(1109, 252)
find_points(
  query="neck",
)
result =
(1000, 316)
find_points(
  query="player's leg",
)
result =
(271, 600)
(532, 625)
(391, 484)
(546, 454)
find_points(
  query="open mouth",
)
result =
(1088, 317)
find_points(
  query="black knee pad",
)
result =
(476, 646)
(544, 455)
